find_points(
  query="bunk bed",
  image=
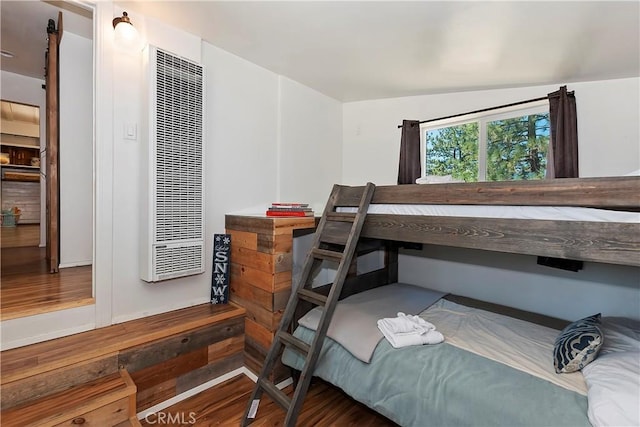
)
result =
(599, 241)
(587, 219)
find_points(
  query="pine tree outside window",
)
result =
(503, 145)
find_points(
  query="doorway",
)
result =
(27, 287)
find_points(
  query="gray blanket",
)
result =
(354, 321)
(442, 385)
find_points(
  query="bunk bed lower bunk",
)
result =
(449, 384)
(491, 370)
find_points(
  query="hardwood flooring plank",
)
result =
(27, 288)
(44, 307)
(224, 405)
(20, 236)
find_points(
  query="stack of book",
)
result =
(289, 209)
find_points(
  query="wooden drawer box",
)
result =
(108, 415)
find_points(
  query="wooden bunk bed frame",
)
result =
(603, 242)
(607, 242)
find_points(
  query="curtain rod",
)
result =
(542, 98)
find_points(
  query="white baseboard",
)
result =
(202, 387)
(285, 383)
(253, 377)
(74, 264)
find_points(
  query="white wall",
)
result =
(609, 136)
(130, 296)
(76, 150)
(251, 117)
(607, 111)
(517, 281)
(310, 145)
(242, 136)
(15, 87)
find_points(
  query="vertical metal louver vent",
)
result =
(178, 149)
(176, 199)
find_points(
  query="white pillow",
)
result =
(621, 334)
(436, 179)
(613, 379)
(613, 389)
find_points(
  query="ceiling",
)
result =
(24, 32)
(353, 50)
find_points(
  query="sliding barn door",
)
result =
(53, 141)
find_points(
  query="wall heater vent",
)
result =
(173, 215)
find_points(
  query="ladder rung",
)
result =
(275, 393)
(312, 297)
(328, 255)
(294, 342)
(341, 216)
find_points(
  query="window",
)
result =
(510, 144)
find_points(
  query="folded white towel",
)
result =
(406, 323)
(411, 338)
(406, 330)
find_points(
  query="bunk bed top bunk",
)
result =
(588, 219)
(456, 383)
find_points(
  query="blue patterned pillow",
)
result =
(578, 344)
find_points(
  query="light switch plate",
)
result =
(131, 131)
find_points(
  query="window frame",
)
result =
(536, 107)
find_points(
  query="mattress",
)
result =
(485, 373)
(556, 213)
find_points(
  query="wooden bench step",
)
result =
(36, 387)
(106, 401)
(35, 359)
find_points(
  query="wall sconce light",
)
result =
(126, 35)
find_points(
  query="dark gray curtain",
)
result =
(409, 168)
(562, 161)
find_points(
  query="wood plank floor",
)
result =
(20, 236)
(27, 288)
(224, 405)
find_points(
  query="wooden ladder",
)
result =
(335, 230)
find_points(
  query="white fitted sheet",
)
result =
(521, 345)
(556, 213)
